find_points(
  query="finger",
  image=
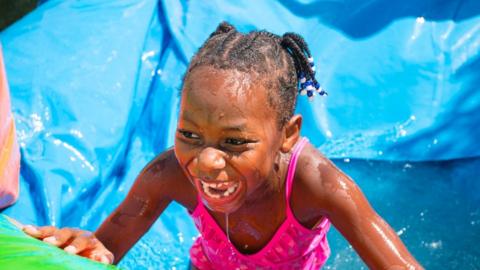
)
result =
(109, 257)
(82, 242)
(106, 258)
(40, 232)
(31, 230)
(60, 238)
(15, 222)
(100, 254)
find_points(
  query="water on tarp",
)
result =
(433, 206)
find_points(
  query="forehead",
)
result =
(226, 94)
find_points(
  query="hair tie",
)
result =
(309, 86)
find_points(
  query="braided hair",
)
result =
(277, 59)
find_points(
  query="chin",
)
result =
(226, 209)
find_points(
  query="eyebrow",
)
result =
(186, 118)
(236, 127)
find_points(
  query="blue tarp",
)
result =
(94, 88)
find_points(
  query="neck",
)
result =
(273, 186)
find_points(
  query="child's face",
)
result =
(227, 138)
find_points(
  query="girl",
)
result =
(261, 196)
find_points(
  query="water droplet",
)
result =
(147, 55)
(401, 231)
(435, 244)
(226, 227)
(180, 237)
(420, 19)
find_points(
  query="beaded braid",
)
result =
(306, 67)
(282, 63)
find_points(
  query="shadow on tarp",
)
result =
(361, 19)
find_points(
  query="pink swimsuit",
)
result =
(292, 247)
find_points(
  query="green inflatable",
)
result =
(19, 251)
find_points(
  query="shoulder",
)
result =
(322, 183)
(164, 176)
(160, 168)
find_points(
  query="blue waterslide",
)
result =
(95, 93)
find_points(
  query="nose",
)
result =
(210, 160)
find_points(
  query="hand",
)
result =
(73, 241)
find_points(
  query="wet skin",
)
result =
(228, 133)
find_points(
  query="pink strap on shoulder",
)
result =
(292, 165)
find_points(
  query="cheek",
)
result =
(256, 166)
(178, 151)
(183, 153)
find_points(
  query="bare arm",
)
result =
(339, 198)
(373, 239)
(146, 200)
(156, 186)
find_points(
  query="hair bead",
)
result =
(304, 63)
(310, 95)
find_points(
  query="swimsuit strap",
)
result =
(291, 168)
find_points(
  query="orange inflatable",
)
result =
(9, 151)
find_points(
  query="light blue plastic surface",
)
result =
(94, 88)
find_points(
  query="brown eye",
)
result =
(189, 135)
(236, 142)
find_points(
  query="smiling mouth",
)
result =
(219, 190)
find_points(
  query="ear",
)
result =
(291, 133)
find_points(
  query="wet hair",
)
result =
(278, 60)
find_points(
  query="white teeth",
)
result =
(213, 185)
(221, 185)
(206, 188)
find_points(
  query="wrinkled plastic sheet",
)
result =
(94, 89)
